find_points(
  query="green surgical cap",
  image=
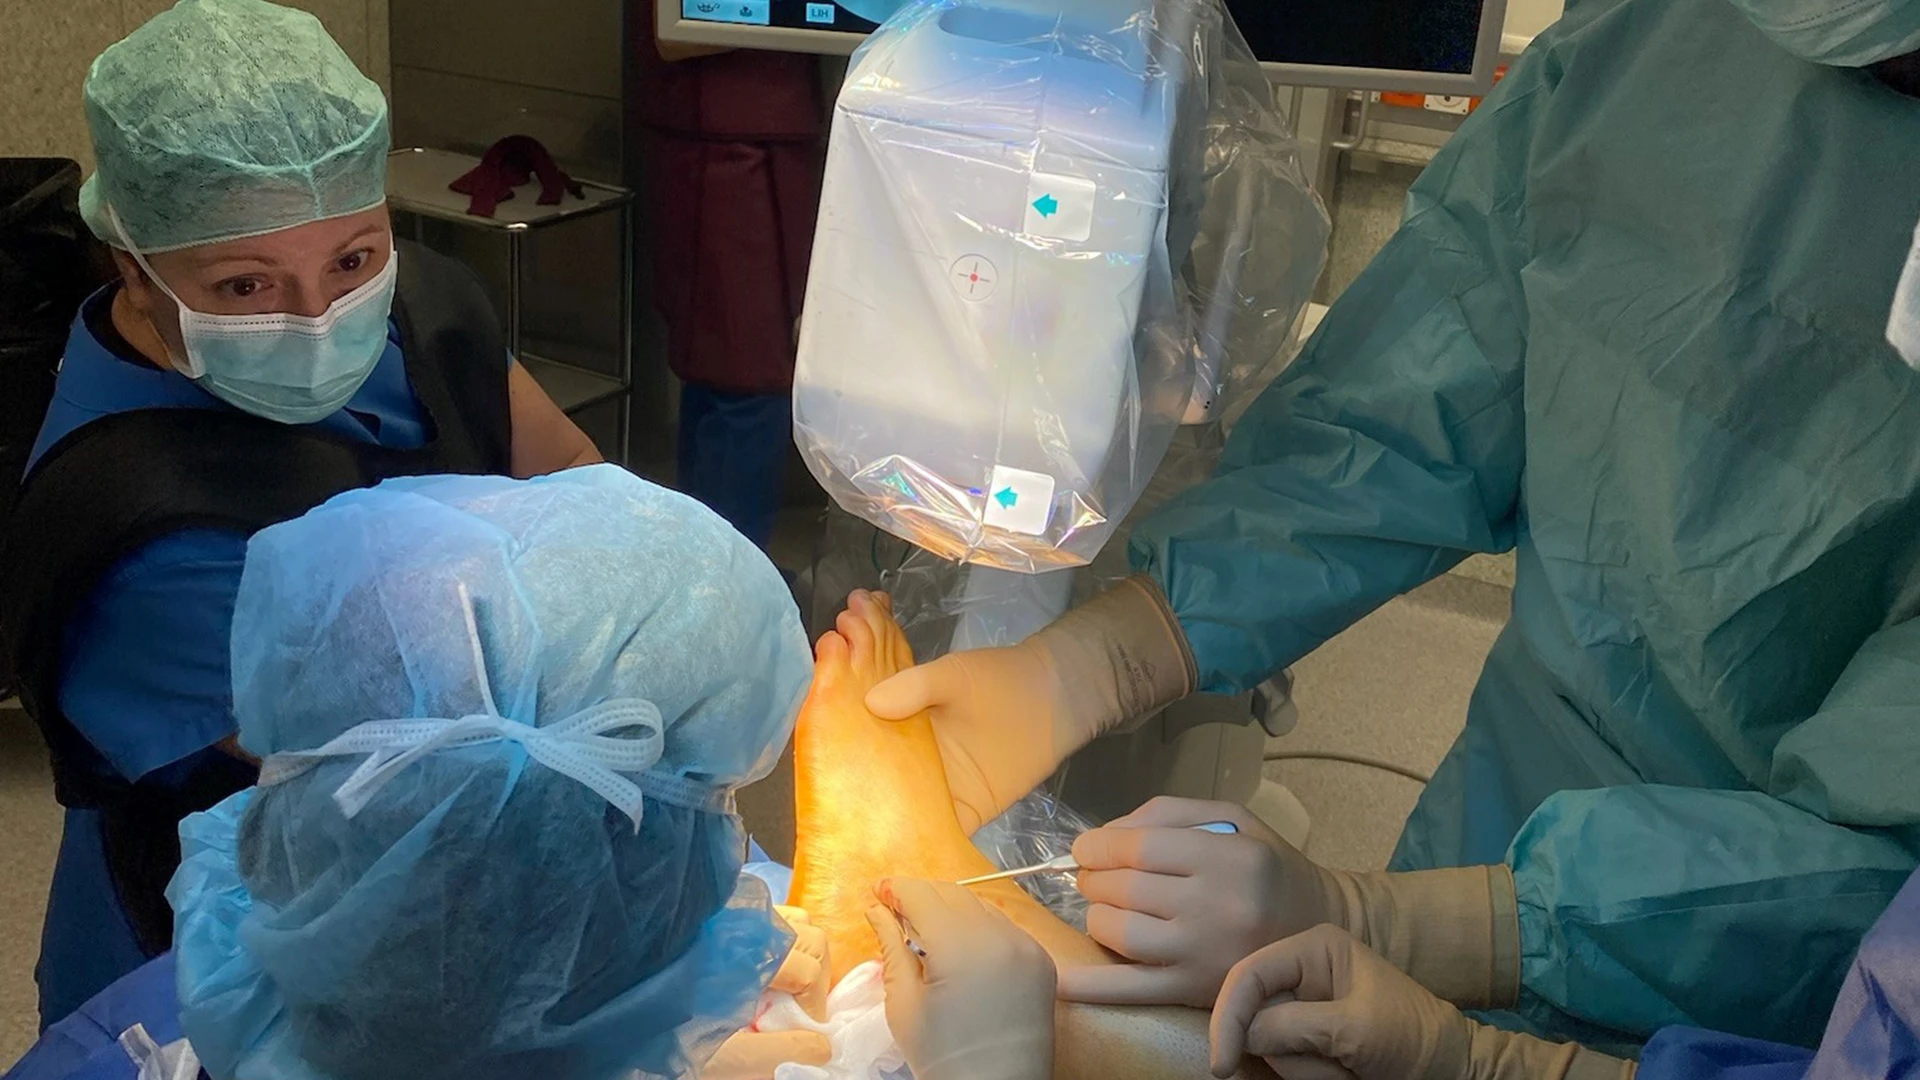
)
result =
(221, 119)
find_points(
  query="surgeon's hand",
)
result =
(979, 1005)
(1000, 718)
(806, 973)
(1186, 906)
(1322, 1006)
(1006, 718)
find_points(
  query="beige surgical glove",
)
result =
(1186, 906)
(979, 1004)
(1006, 718)
(1322, 1006)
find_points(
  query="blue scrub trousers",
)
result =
(733, 455)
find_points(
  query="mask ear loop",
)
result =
(126, 242)
(184, 361)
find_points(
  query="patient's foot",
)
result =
(871, 802)
(871, 799)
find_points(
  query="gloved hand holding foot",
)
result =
(1188, 905)
(1006, 718)
(979, 1004)
(1322, 1006)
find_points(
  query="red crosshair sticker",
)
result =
(974, 277)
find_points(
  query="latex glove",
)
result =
(1187, 906)
(1006, 718)
(979, 1006)
(1322, 1006)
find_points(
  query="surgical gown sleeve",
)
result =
(1392, 447)
(1643, 906)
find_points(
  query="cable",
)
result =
(1414, 775)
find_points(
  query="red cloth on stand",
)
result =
(507, 164)
(735, 148)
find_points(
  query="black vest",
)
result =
(120, 482)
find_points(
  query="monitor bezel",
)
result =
(671, 26)
(1474, 83)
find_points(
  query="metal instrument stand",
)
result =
(417, 182)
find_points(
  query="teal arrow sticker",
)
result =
(1006, 497)
(1048, 206)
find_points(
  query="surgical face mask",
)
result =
(1839, 33)
(293, 369)
(1903, 326)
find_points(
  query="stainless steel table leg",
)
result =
(513, 291)
(625, 423)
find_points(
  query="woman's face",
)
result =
(300, 271)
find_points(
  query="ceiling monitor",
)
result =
(1421, 46)
(821, 26)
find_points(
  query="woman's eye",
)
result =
(353, 262)
(241, 288)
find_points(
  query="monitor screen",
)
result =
(855, 17)
(1429, 35)
(1433, 46)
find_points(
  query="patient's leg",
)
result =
(871, 801)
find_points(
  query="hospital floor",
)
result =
(1394, 687)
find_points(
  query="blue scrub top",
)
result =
(145, 676)
(85, 1045)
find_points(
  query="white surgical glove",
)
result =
(1006, 718)
(979, 1004)
(1322, 1006)
(1187, 905)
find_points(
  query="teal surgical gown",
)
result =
(1633, 327)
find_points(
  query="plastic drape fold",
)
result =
(1050, 234)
